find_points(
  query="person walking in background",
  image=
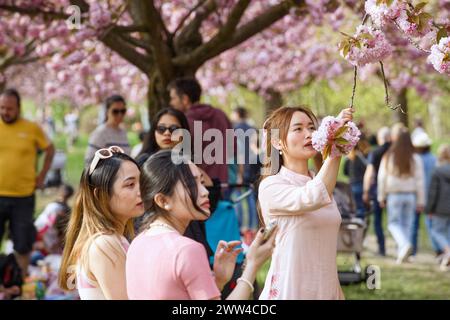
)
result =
(249, 169)
(111, 132)
(422, 144)
(370, 184)
(20, 141)
(401, 189)
(303, 264)
(355, 167)
(438, 204)
(101, 227)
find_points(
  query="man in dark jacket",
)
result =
(438, 204)
(185, 96)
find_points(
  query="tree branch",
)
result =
(224, 41)
(190, 35)
(131, 29)
(145, 13)
(183, 20)
(136, 42)
(126, 51)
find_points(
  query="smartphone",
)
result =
(269, 230)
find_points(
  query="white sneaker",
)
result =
(445, 262)
(404, 253)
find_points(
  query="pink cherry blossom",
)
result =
(440, 56)
(325, 137)
(367, 45)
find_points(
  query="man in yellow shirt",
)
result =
(20, 141)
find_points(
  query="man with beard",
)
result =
(20, 141)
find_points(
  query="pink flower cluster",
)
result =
(383, 13)
(412, 29)
(440, 56)
(373, 47)
(99, 17)
(334, 139)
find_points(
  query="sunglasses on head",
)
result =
(162, 129)
(103, 154)
(118, 111)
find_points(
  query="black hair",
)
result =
(160, 174)
(188, 86)
(112, 99)
(68, 190)
(11, 92)
(105, 174)
(149, 146)
(241, 111)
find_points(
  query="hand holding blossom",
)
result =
(336, 136)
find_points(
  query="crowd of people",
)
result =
(138, 227)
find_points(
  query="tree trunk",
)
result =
(273, 101)
(435, 112)
(402, 100)
(158, 94)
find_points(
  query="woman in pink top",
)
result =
(161, 262)
(95, 247)
(303, 264)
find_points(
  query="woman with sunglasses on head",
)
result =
(111, 132)
(100, 224)
(162, 263)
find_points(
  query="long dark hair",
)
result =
(159, 174)
(149, 145)
(91, 213)
(402, 151)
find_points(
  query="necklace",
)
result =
(162, 224)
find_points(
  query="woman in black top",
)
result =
(163, 136)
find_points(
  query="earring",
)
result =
(166, 207)
(281, 153)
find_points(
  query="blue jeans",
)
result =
(441, 230)
(378, 220)
(415, 233)
(401, 208)
(357, 191)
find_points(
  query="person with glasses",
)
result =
(111, 132)
(101, 225)
(162, 137)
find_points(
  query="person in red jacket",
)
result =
(185, 96)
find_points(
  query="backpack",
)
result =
(10, 272)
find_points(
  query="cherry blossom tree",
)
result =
(266, 46)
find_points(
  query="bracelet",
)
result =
(247, 282)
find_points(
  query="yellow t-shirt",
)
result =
(19, 144)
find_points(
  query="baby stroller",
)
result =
(351, 234)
